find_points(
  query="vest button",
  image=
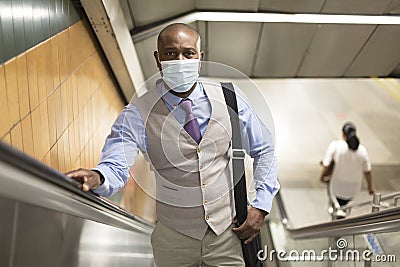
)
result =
(203, 184)
(205, 201)
(207, 217)
(198, 149)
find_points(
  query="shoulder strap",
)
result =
(237, 155)
(250, 250)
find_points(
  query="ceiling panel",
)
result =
(279, 49)
(367, 7)
(333, 49)
(394, 8)
(127, 14)
(149, 11)
(381, 55)
(291, 6)
(233, 44)
(145, 50)
(248, 5)
(282, 48)
(201, 27)
(396, 72)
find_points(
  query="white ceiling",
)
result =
(271, 50)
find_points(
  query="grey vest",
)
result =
(194, 184)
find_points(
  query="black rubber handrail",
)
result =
(32, 166)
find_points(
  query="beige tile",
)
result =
(69, 99)
(58, 112)
(91, 153)
(84, 158)
(90, 119)
(63, 98)
(38, 145)
(44, 124)
(47, 159)
(16, 137)
(27, 136)
(81, 131)
(80, 88)
(64, 54)
(77, 134)
(48, 64)
(89, 74)
(41, 71)
(87, 42)
(7, 139)
(51, 111)
(23, 89)
(61, 55)
(85, 125)
(55, 62)
(31, 61)
(73, 149)
(61, 155)
(67, 154)
(12, 91)
(54, 157)
(75, 44)
(76, 164)
(75, 96)
(97, 71)
(5, 123)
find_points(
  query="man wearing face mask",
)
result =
(182, 127)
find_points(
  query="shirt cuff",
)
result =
(103, 189)
(263, 200)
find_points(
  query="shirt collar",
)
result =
(174, 100)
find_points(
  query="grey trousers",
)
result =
(173, 249)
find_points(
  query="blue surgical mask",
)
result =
(180, 75)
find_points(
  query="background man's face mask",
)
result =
(180, 75)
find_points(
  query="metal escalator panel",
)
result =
(367, 240)
(47, 221)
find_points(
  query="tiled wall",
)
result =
(57, 104)
(26, 23)
(58, 100)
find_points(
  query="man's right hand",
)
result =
(88, 179)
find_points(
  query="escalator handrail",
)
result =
(379, 222)
(366, 202)
(31, 166)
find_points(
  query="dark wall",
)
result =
(25, 23)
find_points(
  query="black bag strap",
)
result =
(238, 154)
(250, 250)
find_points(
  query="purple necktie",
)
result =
(191, 123)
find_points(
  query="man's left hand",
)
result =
(251, 227)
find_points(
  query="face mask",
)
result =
(180, 75)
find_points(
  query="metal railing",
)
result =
(387, 220)
(377, 202)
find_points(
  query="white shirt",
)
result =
(349, 168)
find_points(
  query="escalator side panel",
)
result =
(36, 236)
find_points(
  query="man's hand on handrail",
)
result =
(87, 179)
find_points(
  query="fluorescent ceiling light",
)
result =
(271, 18)
(296, 18)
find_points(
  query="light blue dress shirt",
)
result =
(128, 136)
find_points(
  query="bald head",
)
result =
(177, 41)
(177, 30)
